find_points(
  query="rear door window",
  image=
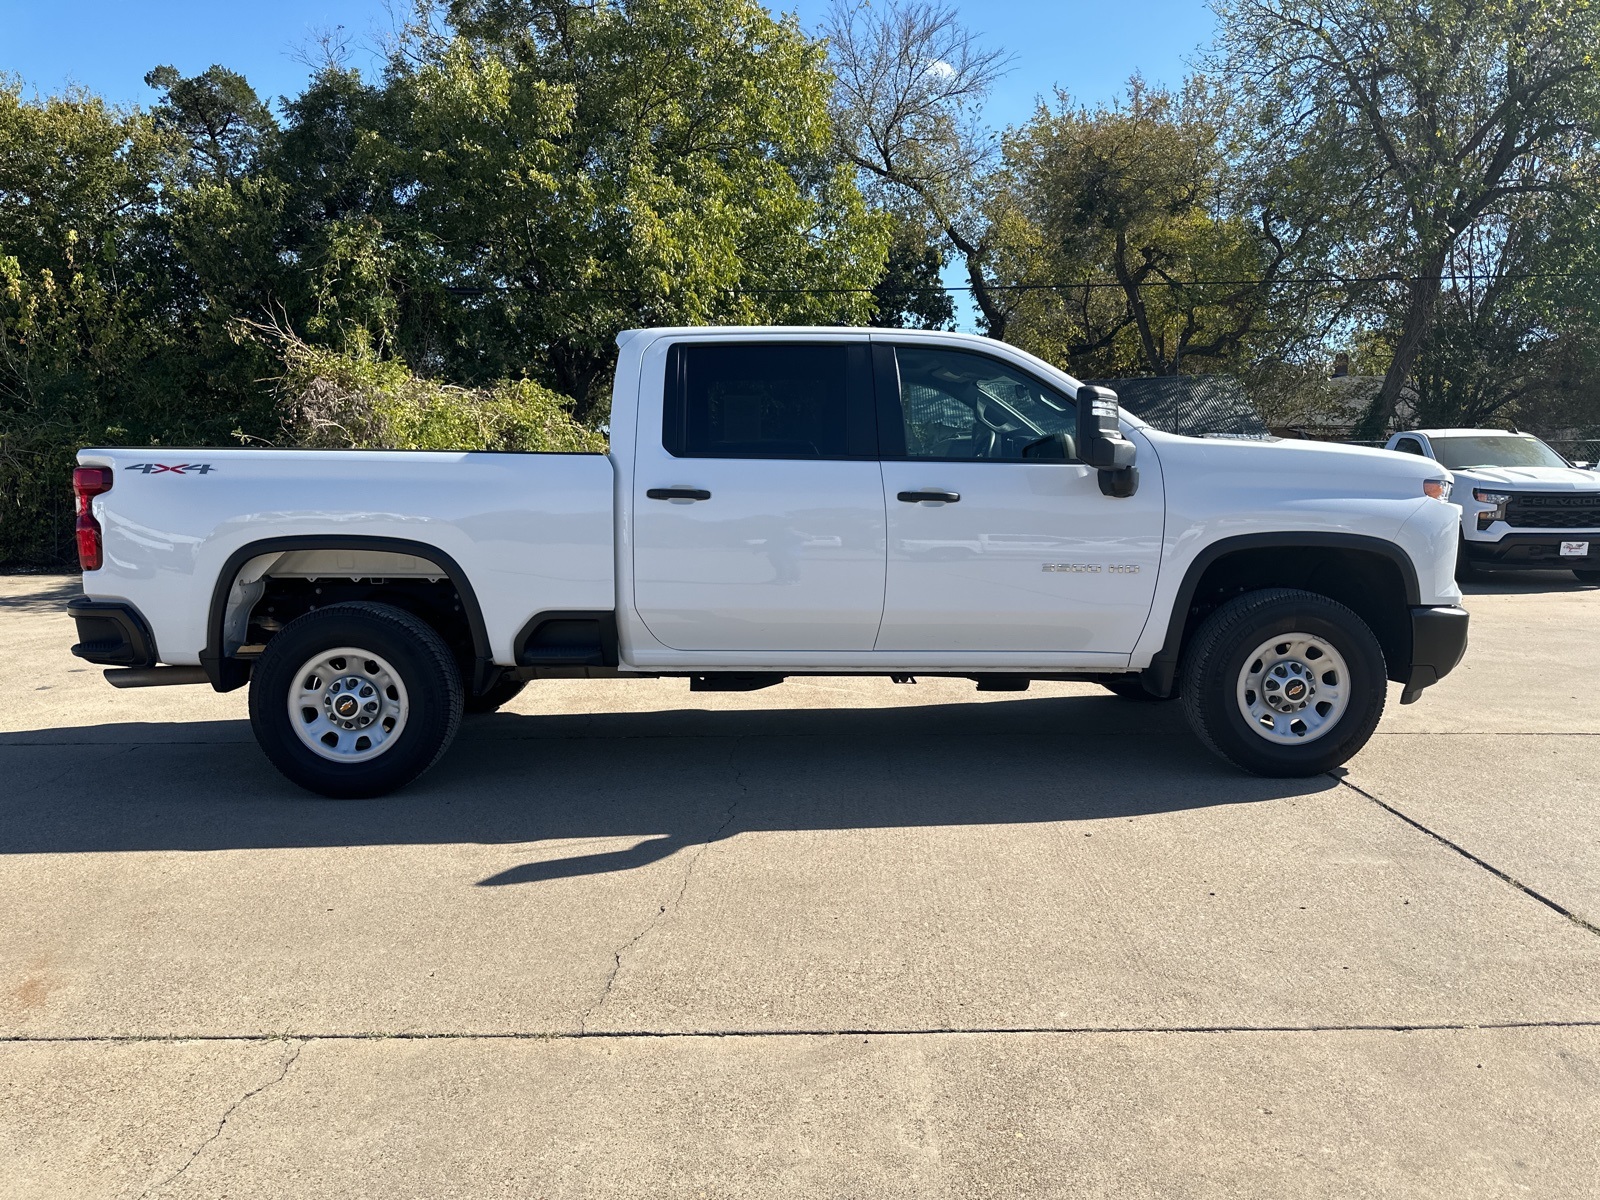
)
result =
(769, 400)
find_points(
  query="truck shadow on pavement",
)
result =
(660, 780)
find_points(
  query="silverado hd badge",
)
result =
(1092, 568)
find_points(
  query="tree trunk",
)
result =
(995, 317)
(575, 374)
(1154, 360)
(1413, 338)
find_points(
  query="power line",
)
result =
(1455, 277)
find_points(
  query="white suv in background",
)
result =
(1522, 504)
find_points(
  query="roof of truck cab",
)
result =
(973, 340)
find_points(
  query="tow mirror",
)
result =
(1101, 444)
(1053, 447)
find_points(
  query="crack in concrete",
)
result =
(1503, 876)
(795, 1032)
(683, 886)
(222, 1124)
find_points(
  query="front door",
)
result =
(758, 503)
(992, 552)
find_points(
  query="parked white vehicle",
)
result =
(1522, 504)
(780, 502)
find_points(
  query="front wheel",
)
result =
(1284, 683)
(355, 700)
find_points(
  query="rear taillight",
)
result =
(87, 483)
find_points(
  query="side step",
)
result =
(128, 677)
(731, 682)
(1002, 683)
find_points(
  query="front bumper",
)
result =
(112, 633)
(1438, 640)
(1531, 551)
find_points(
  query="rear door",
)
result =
(758, 499)
(991, 552)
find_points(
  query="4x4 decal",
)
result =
(179, 469)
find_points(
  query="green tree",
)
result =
(1445, 116)
(1516, 330)
(1139, 216)
(910, 294)
(565, 170)
(85, 351)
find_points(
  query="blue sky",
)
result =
(108, 45)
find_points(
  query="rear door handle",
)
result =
(678, 494)
(930, 494)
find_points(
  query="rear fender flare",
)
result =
(226, 673)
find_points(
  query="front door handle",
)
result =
(678, 494)
(930, 494)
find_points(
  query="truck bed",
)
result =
(532, 531)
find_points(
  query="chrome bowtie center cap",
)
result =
(352, 702)
(1289, 686)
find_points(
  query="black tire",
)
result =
(1129, 687)
(421, 662)
(1586, 574)
(1216, 658)
(502, 691)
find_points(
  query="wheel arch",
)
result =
(227, 673)
(1372, 576)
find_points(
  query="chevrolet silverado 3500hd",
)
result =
(780, 502)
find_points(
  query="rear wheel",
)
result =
(355, 700)
(1284, 683)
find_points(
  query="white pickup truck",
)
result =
(780, 502)
(1523, 505)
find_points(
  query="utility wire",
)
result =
(1086, 284)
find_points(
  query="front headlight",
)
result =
(1439, 489)
(1498, 500)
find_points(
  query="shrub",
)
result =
(356, 400)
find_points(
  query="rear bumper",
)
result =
(112, 633)
(1438, 640)
(1531, 550)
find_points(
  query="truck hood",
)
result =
(1530, 479)
(1314, 467)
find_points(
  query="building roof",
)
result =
(1194, 405)
(1433, 433)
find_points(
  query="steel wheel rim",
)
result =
(1293, 689)
(347, 705)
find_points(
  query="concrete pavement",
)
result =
(837, 937)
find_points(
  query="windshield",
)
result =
(1459, 453)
